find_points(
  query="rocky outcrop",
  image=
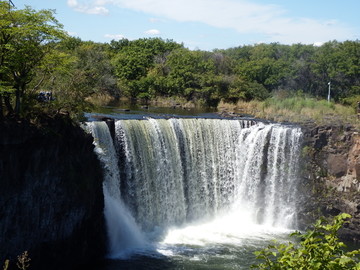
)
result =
(51, 200)
(331, 172)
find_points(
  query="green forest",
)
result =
(37, 55)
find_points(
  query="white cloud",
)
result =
(270, 22)
(88, 8)
(318, 43)
(243, 16)
(114, 36)
(72, 3)
(152, 32)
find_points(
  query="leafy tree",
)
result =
(348, 68)
(267, 64)
(223, 63)
(134, 60)
(27, 36)
(147, 68)
(74, 72)
(192, 74)
(318, 249)
(6, 25)
(301, 77)
(94, 63)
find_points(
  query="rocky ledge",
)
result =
(51, 200)
(331, 175)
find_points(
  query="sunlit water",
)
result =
(221, 244)
(196, 193)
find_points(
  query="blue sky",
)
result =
(208, 24)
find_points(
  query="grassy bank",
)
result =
(282, 107)
(297, 109)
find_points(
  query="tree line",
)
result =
(37, 54)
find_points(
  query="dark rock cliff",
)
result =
(331, 175)
(51, 200)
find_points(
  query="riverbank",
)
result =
(283, 107)
(301, 110)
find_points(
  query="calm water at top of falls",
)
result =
(196, 193)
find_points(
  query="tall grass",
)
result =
(295, 109)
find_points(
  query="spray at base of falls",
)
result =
(172, 173)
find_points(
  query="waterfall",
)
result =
(181, 170)
(124, 234)
(173, 172)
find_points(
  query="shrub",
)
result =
(318, 249)
(23, 262)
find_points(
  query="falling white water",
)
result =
(183, 170)
(124, 234)
(200, 180)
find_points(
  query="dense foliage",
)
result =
(36, 55)
(319, 248)
(27, 38)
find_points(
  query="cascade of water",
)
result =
(124, 234)
(169, 172)
(181, 170)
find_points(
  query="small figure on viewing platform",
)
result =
(41, 96)
(48, 96)
(45, 96)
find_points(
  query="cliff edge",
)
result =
(331, 175)
(51, 200)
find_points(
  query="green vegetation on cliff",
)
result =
(319, 248)
(37, 55)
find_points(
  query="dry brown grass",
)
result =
(295, 109)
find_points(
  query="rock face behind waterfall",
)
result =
(51, 200)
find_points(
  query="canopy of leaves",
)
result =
(36, 54)
(26, 38)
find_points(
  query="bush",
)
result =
(318, 249)
(23, 262)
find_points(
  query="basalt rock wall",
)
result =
(331, 175)
(51, 200)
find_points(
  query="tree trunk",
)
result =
(1, 108)
(8, 104)
(17, 101)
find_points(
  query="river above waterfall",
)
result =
(190, 193)
(143, 112)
